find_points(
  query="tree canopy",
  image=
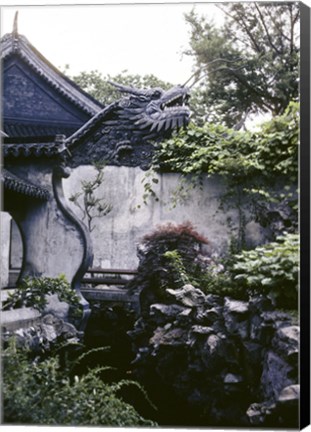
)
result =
(249, 65)
(98, 85)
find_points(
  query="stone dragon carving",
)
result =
(124, 133)
(153, 112)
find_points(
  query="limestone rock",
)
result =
(236, 317)
(48, 331)
(233, 378)
(275, 375)
(238, 307)
(258, 412)
(286, 340)
(289, 394)
(173, 337)
(162, 313)
(188, 296)
(222, 358)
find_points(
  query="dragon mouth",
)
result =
(154, 112)
(171, 114)
(177, 101)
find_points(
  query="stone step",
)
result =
(108, 294)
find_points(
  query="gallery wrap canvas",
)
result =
(155, 219)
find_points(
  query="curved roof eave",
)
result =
(15, 184)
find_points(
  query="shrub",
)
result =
(180, 239)
(172, 233)
(39, 391)
(271, 269)
(33, 292)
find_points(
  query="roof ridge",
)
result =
(88, 126)
(10, 45)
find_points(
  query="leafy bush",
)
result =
(170, 248)
(173, 235)
(216, 149)
(271, 269)
(260, 168)
(33, 292)
(176, 265)
(37, 391)
(168, 256)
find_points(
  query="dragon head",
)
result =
(154, 112)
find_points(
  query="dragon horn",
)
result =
(127, 89)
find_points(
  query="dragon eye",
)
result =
(156, 94)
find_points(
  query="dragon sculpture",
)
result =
(124, 132)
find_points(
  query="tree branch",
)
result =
(268, 10)
(240, 21)
(263, 96)
(266, 30)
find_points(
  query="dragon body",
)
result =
(124, 133)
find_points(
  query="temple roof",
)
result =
(38, 99)
(14, 183)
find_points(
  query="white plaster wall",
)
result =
(116, 235)
(54, 245)
(5, 223)
(16, 253)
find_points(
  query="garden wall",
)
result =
(5, 248)
(116, 235)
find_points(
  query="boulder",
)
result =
(286, 341)
(275, 376)
(162, 313)
(46, 333)
(235, 314)
(188, 296)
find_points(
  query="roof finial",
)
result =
(15, 28)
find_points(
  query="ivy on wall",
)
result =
(215, 149)
(259, 167)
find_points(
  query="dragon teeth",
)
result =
(154, 126)
(142, 122)
(167, 124)
(160, 125)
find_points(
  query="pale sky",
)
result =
(140, 38)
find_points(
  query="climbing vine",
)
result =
(237, 155)
(87, 200)
(254, 164)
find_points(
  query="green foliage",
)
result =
(149, 182)
(88, 202)
(215, 149)
(169, 255)
(33, 292)
(216, 279)
(176, 265)
(260, 167)
(249, 65)
(40, 391)
(271, 269)
(99, 87)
